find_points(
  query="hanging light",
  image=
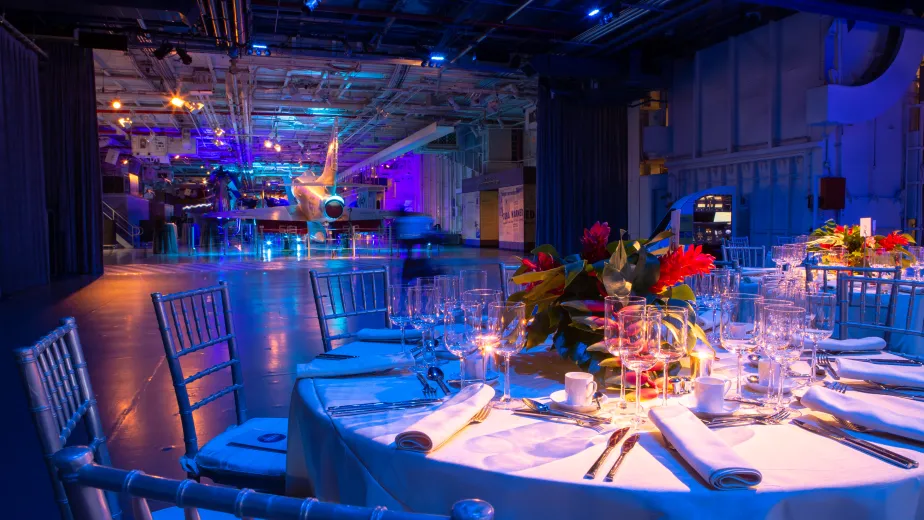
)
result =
(277, 147)
(268, 143)
(219, 132)
(124, 161)
(116, 104)
(125, 122)
(177, 101)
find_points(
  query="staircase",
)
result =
(127, 235)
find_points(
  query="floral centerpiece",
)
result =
(832, 235)
(564, 294)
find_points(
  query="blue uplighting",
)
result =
(593, 12)
(437, 57)
(258, 46)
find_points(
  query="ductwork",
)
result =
(843, 104)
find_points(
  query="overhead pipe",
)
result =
(624, 43)
(487, 33)
(238, 22)
(850, 12)
(22, 37)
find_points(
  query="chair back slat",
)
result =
(738, 242)
(86, 480)
(339, 295)
(745, 256)
(876, 301)
(181, 328)
(54, 372)
(824, 272)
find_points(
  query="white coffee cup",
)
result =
(763, 372)
(710, 393)
(580, 388)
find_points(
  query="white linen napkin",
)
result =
(884, 374)
(388, 335)
(901, 417)
(364, 364)
(434, 430)
(705, 319)
(709, 456)
(847, 345)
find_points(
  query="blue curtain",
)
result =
(73, 181)
(581, 165)
(23, 227)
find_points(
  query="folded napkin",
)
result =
(846, 345)
(364, 364)
(388, 335)
(709, 456)
(434, 430)
(883, 374)
(705, 319)
(901, 417)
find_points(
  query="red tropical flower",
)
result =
(682, 263)
(892, 240)
(544, 262)
(594, 242)
(839, 229)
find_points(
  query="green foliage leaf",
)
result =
(614, 281)
(536, 276)
(681, 292)
(548, 249)
(610, 362)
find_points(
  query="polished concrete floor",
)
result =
(277, 328)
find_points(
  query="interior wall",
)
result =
(738, 115)
(441, 184)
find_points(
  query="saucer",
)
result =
(560, 398)
(689, 401)
(759, 388)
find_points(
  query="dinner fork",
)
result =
(482, 414)
(776, 418)
(824, 361)
(428, 390)
(875, 390)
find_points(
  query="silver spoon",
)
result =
(435, 374)
(544, 408)
(597, 396)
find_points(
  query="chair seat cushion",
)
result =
(222, 455)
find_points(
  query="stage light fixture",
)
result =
(219, 131)
(268, 143)
(593, 12)
(277, 147)
(175, 157)
(177, 101)
(124, 161)
(312, 4)
(125, 122)
(165, 49)
(437, 57)
(116, 104)
(184, 56)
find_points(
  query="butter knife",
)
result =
(610, 445)
(842, 439)
(895, 362)
(897, 458)
(626, 446)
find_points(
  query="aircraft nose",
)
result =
(333, 208)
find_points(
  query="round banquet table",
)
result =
(532, 468)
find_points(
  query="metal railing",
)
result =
(130, 232)
(84, 482)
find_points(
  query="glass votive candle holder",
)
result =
(701, 364)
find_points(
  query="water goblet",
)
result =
(738, 334)
(457, 343)
(819, 322)
(782, 325)
(612, 305)
(675, 323)
(399, 310)
(470, 279)
(424, 316)
(477, 325)
(508, 324)
(640, 344)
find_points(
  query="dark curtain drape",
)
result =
(72, 173)
(581, 166)
(23, 227)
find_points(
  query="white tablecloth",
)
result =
(528, 468)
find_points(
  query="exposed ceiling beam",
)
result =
(850, 12)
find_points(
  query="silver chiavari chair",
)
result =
(85, 482)
(825, 276)
(506, 279)
(738, 242)
(745, 256)
(344, 295)
(193, 321)
(874, 302)
(57, 383)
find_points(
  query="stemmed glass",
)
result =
(782, 324)
(778, 255)
(819, 322)
(447, 292)
(477, 325)
(761, 342)
(456, 342)
(723, 284)
(508, 324)
(675, 321)
(399, 310)
(612, 305)
(639, 346)
(470, 279)
(424, 316)
(738, 334)
(704, 288)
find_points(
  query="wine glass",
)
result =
(782, 324)
(738, 334)
(639, 347)
(399, 310)
(424, 315)
(819, 322)
(477, 325)
(778, 255)
(458, 344)
(675, 321)
(447, 293)
(722, 281)
(470, 279)
(612, 305)
(702, 285)
(508, 324)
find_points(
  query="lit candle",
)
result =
(701, 363)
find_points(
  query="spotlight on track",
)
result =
(312, 4)
(116, 104)
(163, 51)
(593, 12)
(259, 49)
(184, 56)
